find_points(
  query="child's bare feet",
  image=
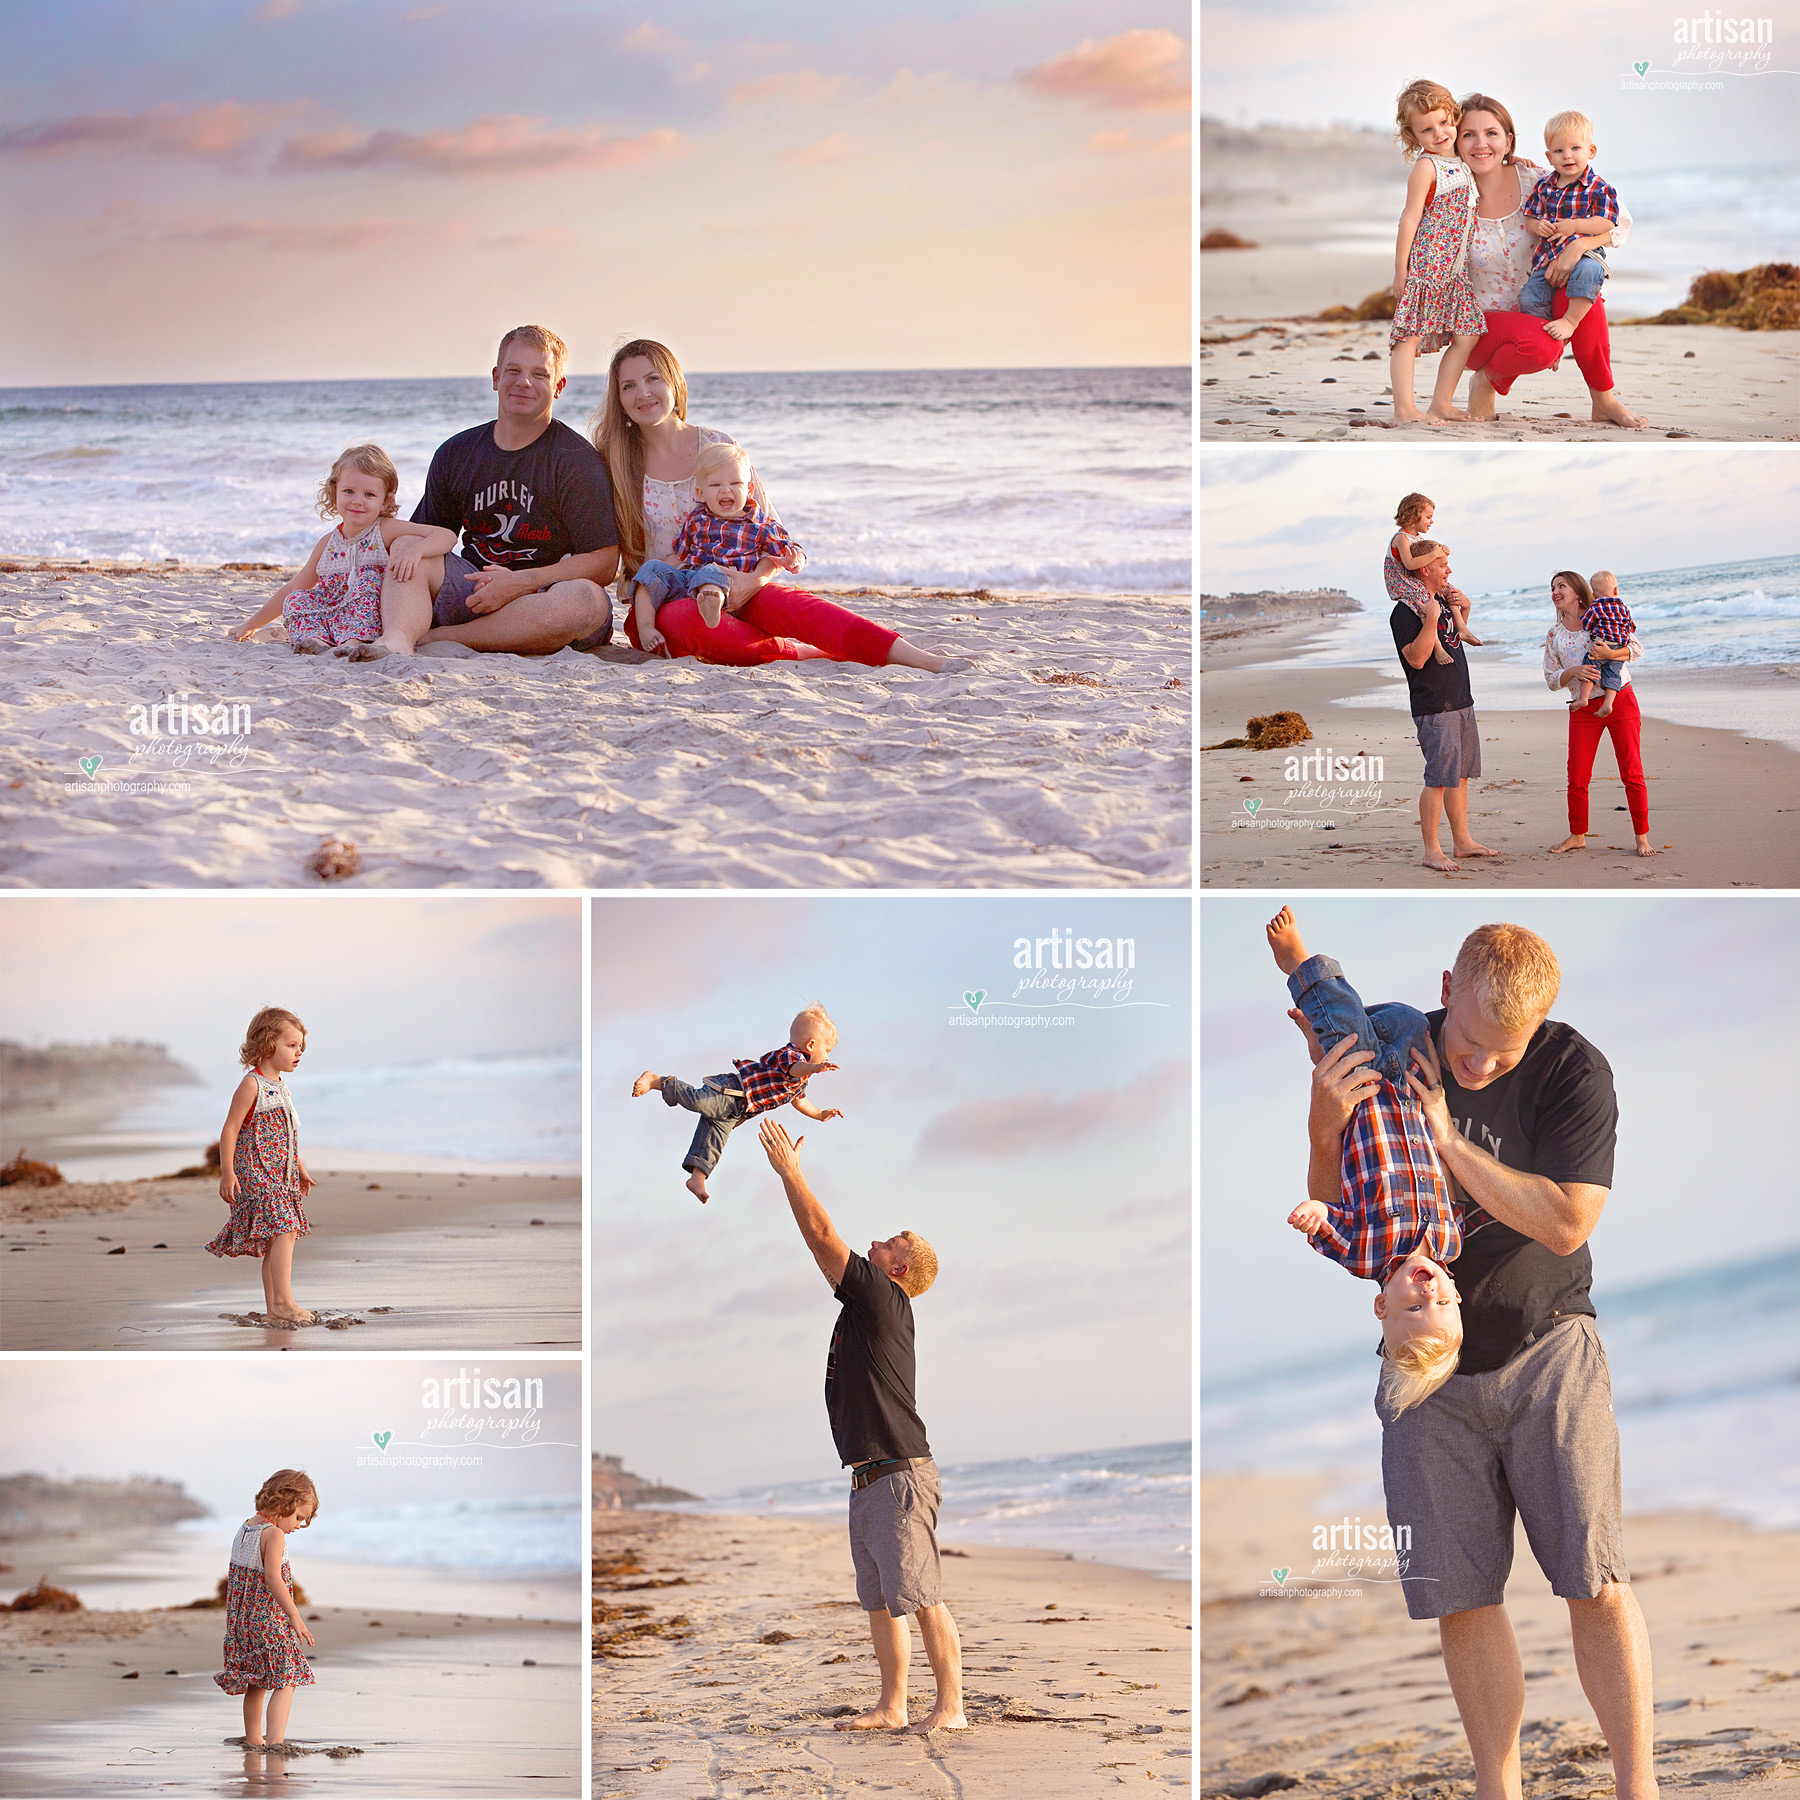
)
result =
(1446, 411)
(310, 646)
(711, 602)
(696, 1185)
(295, 1315)
(1285, 940)
(1560, 329)
(1441, 655)
(644, 1083)
(1606, 704)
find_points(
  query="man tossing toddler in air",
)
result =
(725, 1101)
(1396, 1221)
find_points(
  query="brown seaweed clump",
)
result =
(1765, 298)
(1225, 240)
(23, 1172)
(1378, 305)
(45, 1598)
(1272, 731)
(337, 859)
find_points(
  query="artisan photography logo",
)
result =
(467, 1415)
(1319, 789)
(1052, 980)
(168, 741)
(1349, 1549)
(1705, 49)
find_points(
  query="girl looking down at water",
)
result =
(263, 1626)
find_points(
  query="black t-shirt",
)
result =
(1438, 687)
(869, 1369)
(1553, 1114)
(522, 509)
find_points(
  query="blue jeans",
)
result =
(719, 1100)
(1585, 281)
(1612, 674)
(665, 582)
(1334, 1011)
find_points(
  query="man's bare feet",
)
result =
(940, 1720)
(1471, 848)
(1576, 840)
(711, 602)
(873, 1720)
(1285, 940)
(696, 1185)
(644, 1083)
(1436, 859)
(1609, 409)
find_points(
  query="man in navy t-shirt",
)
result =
(533, 505)
(880, 1437)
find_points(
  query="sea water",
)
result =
(1131, 1507)
(1054, 479)
(1706, 1390)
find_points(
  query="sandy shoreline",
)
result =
(1061, 758)
(1517, 805)
(1076, 1675)
(437, 1704)
(452, 1261)
(1348, 1695)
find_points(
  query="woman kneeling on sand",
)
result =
(1499, 265)
(641, 429)
(1565, 649)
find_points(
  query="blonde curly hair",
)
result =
(1417, 98)
(371, 459)
(265, 1031)
(1415, 1370)
(286, 1491)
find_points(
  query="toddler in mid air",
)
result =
(1396, 1221)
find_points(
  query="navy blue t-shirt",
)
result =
(869, 1369)
(520, 509)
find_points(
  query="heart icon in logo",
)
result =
(974, 999)
(1252, 807)
(381, 1439)
(89, 764)
(1280, 1575)
(1642, 68)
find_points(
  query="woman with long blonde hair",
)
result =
(642, 432)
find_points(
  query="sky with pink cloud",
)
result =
(204, 190)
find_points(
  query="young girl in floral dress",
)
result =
(261, 1176)
(1414, 515)
(263, 1627)
(1434, 303)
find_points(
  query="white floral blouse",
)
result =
(1566, 648)
(1500, 250)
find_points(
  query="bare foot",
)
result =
(1436, 859)
(359, 651)
(1560, 329)
(1644, 846)
(696, 1185)
(644, 1083)
(874, 1720)
(310, 646)
(1446, 412)
(938, 1719)
(1576, 840)
(1481, 398)
(1609, 409)
(1285, 940)
(711, 602)
(295, 1315)
(1408, 414)
(1605, 707)
(1471, 848)
(1441, 655)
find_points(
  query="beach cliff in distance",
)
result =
(32, 1505)
(57, 1095)
(615, 1487)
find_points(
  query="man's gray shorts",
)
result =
(893, 1541)
(1452, 746)
(450, 604)
(1536, 1437)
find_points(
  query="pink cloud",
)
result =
(651, 37)
(797, 87)
(212, 133)
(277, 9)
(495, 144)
(839, 147)
(357, 234)
(1021, 1124)
(1143, 71)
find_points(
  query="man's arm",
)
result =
(1342, 1079)
(829, 1250)
(496, 587)
(1420, 651)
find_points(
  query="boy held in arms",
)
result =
(1608, 619)
(725, 1101)
(1397, 1221)
(1575, 205)
(725, 530)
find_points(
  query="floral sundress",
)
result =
(266, 1163)
(1438, 301)
(344, 604)
(1406, 589)
(262, 1648)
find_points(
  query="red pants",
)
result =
(1517, 344)
(1625, 723)
(774, 627)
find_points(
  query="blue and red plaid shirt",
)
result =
(738, 543)
(769, 1081)
(1586, 198)
(1610, 622)
(1393, 1198)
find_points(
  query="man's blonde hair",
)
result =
(539, 337)
(921, 1266)
(715, 457)
(814, 1015)
(1560, 122)
(1416, 1369)
(1512, 973)
(1430, 549)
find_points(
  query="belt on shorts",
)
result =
(864, 1473)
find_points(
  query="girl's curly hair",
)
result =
(1419, 97)
(1414, 506)
(265, 1029)
(371, 459)
(286, 1491)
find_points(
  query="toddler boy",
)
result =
(1570, 202)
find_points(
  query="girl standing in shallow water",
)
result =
(263, 1627)
(261, 1176)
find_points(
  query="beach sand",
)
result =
(1347, 1696)
(439, 1705)
(1076, 1675)
(1060, 759)
(1724, 809)
(419, 1262)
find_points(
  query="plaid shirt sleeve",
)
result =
(772, 538)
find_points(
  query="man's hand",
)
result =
(1430, 1092)
(492, 588)
(1342, 1081)
(1308, 1216)
(783, 1151)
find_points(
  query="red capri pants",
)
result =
(1624, 723)
(1517, 344)
(779, 625)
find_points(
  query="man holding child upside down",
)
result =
(1522, 1112)
(894, 1488)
